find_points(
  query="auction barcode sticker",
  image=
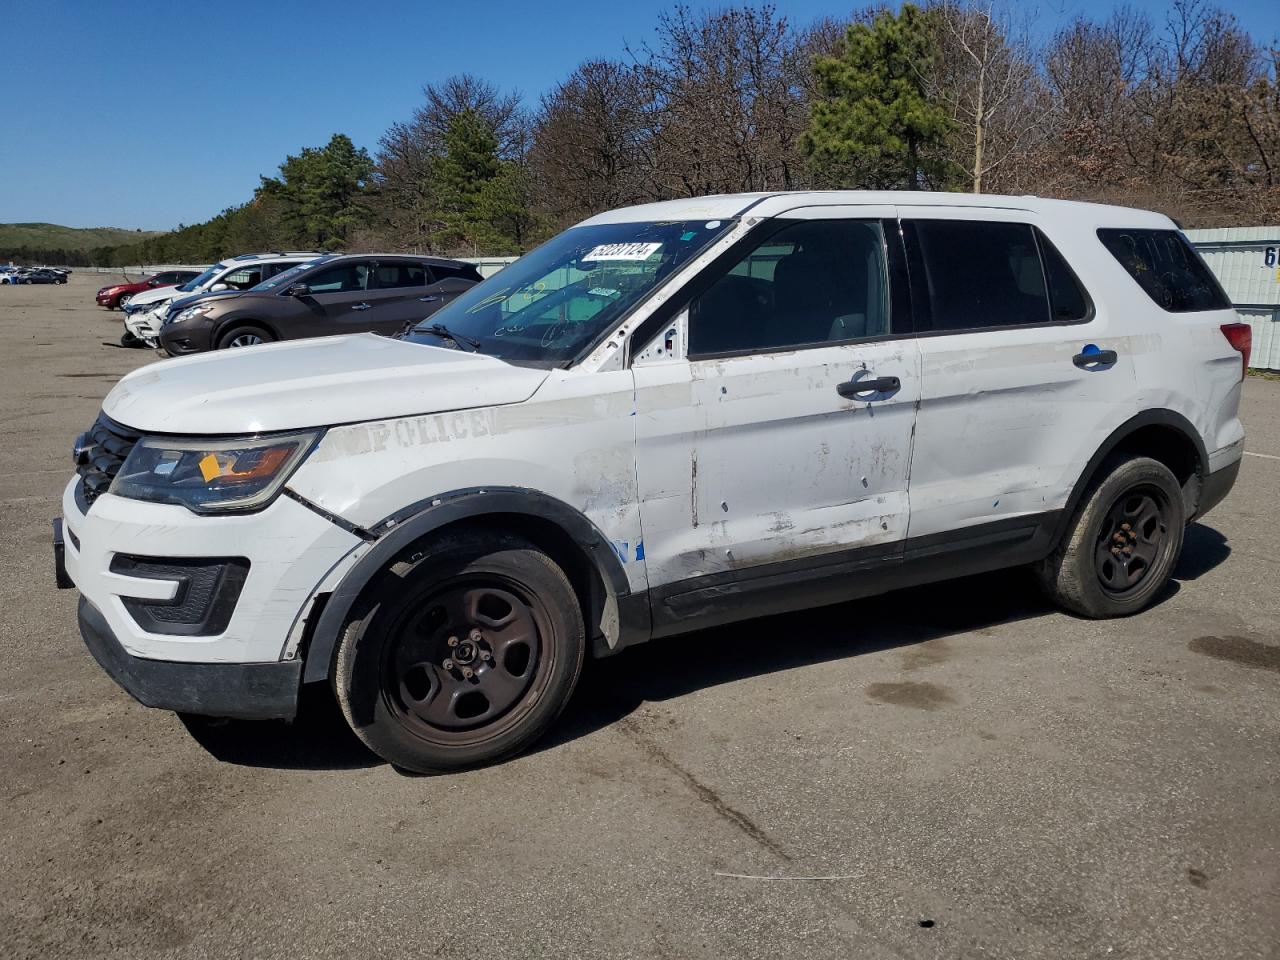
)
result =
(623, 251)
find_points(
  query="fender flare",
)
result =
(402, 528)
(1158, 417)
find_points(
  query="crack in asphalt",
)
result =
(704, 793)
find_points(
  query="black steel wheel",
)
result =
(465, 655)
(1131, 539)
(1122, 543)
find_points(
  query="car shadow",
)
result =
(612, 688)
(1203, 549)
(318, 739)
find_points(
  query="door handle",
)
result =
(359, 306)
(1088, 358)
(428, 299)
(854, 388)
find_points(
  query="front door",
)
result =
(773, 424)
(338, 301)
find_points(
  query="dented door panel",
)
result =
(751, 460)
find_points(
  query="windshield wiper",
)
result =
(444, 333)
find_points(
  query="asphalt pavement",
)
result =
(951, 771)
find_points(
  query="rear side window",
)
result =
(1167, 268)
(980, 274)
(243, 279)
(401, 275)
(1067, 300)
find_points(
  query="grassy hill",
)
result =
(51, 236)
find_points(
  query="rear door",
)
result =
(403, 292)
(1022, 377)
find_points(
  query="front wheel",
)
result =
(124, 300)
(243, 337)
(465, 654)
(1123, 542)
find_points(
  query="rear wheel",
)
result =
(1123, 542)
(244, 336)
(465, 654)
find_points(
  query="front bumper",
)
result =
(289, 551)
(252, 690)
(144, 324)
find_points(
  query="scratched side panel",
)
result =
(574, 440)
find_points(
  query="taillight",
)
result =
(1240, 336)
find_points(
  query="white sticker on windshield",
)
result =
(623, 251)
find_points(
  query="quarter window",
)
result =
(1167, 268)
(812, 282)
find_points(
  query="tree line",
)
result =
(1180, 115)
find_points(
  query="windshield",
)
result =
(286, 277)
(552, 303)
(195, 283)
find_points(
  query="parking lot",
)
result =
(950, 771)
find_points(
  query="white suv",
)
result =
(144, 314)
(668, 417)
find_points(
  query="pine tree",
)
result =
(874, 125)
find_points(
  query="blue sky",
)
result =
(150, 114)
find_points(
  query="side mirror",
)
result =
(219, 287)
(153, 283)
(298, 290)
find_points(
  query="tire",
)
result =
(1103, 568)
(243, 335)
(400, 674)
(127, 339)
(123, 300)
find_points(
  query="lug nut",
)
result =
(448, 664)
(476, 635)
(453, 641)
(466, 672)
(486, 655)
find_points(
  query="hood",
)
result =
(185, 300)
(152, 295)
(312, 383)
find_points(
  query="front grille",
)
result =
(208, 590)
(99, 454)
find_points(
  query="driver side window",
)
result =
(812, 282)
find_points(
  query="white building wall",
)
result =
(1246, 261)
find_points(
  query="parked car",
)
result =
(328, 295)
(146, 312)
(119, 294)
(40, 275)
(669, 417)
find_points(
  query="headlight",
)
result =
(210, 476)
(192, 312)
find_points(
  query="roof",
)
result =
(725, 206)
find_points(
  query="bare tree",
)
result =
(726, 104)
(589, 148)
(987, 77)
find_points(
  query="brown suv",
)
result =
(353, 293)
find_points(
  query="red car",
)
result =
(119, 294)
